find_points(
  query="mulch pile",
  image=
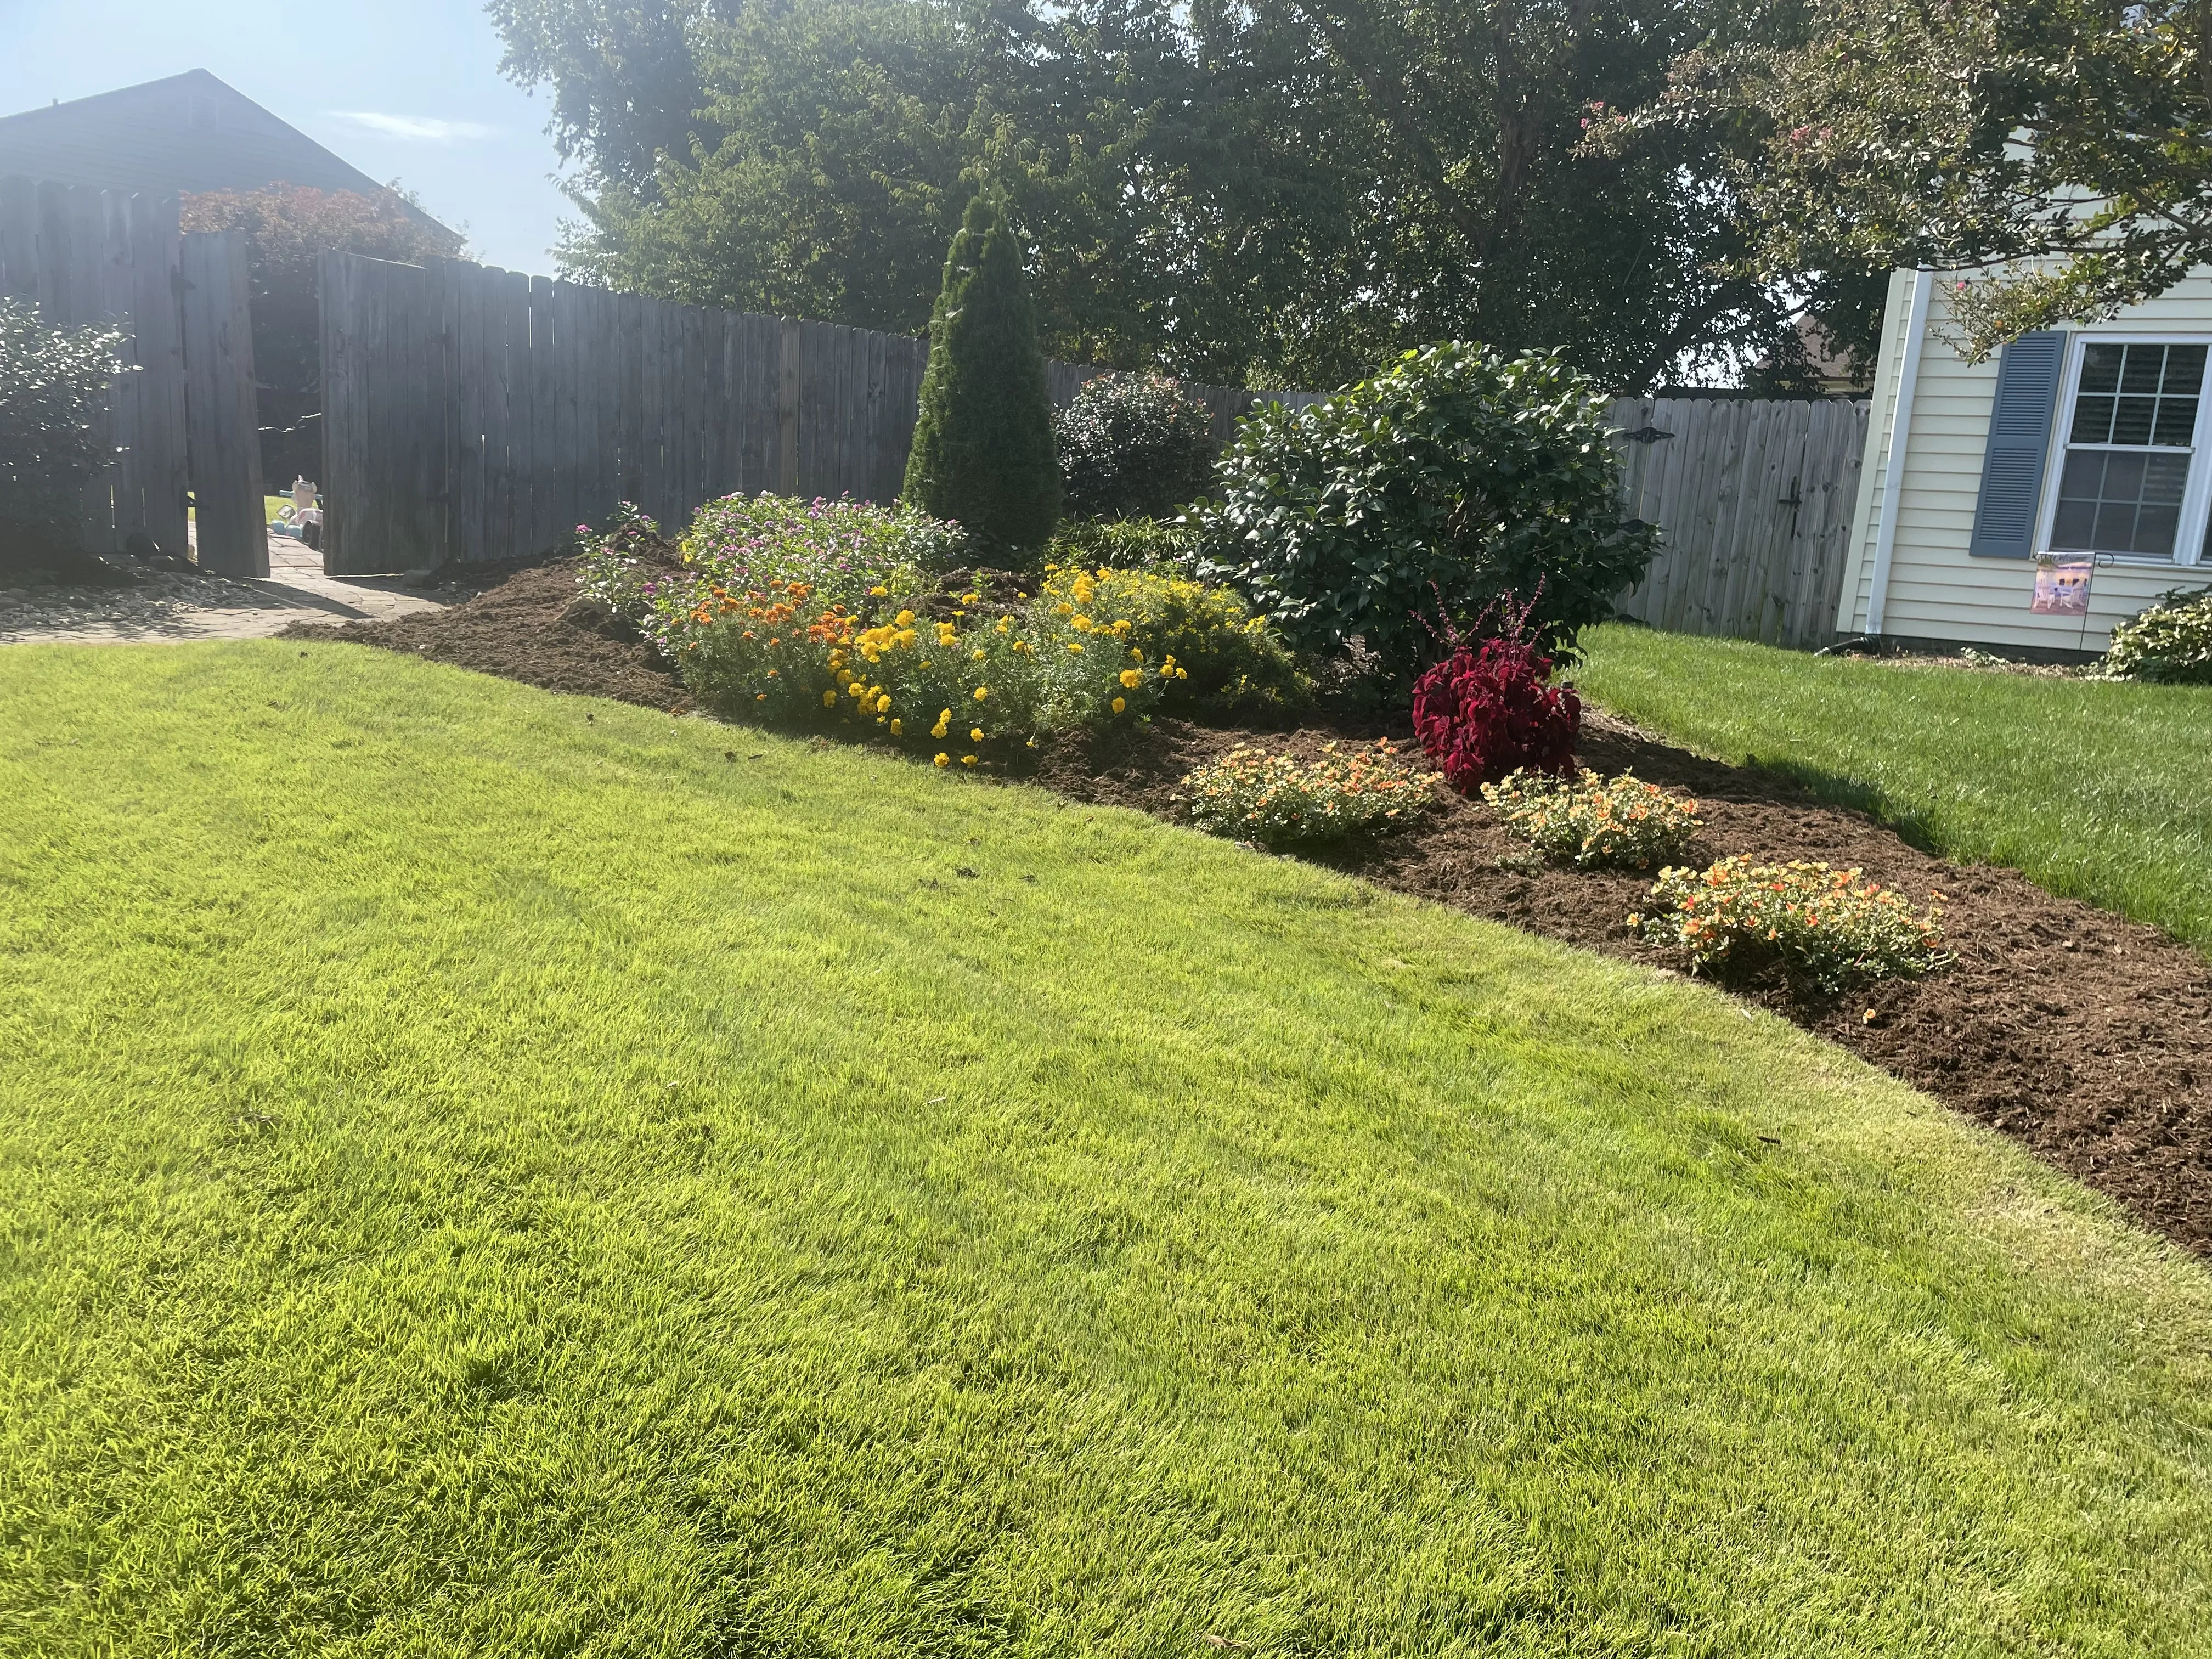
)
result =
(2085, 1037)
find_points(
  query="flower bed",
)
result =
(1831, 926)
(1622, 822)
(1231, 660)
(1277, 800)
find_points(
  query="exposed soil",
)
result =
(531, 626)
(2085, 1037)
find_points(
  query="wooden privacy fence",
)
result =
(476, 415)
(1754, 500)
(180, 416)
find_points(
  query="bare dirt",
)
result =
(2083, 1035)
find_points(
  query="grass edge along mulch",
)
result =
(2095, 790)
(2086, 1038)
(482, 1169)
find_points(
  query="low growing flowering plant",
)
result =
(1231, 660)
(959, 684)
(1831, 926)
(1278, 800)
(1620, 821)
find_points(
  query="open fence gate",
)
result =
(180, 419)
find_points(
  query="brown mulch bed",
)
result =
(2084, 1035)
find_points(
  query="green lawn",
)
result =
(2098, 791)
(482, 1173)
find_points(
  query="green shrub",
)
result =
(1277, 800)
(53, 382)
(1828, 925)
(1620, 821)
(2170, 642)
(1126, 544)
(1227, 659)
(982, 454)
(1454, 475)
(1133, 447)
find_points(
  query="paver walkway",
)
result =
(197, 607)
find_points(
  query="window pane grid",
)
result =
(2129, 448)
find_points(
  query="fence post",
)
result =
(223, 431)
(787, 411)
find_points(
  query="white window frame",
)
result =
(2195, 499)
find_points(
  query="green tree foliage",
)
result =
(2060, 150)
(288, 228)
(1133, 447)
(1278, 192)
(1454, 477)
(982, 441)
(52, 384)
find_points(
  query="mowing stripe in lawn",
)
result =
(482, 1172)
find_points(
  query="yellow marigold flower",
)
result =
(1130, 677)
(904, 619)
(1075, 645)
(1182, 673)
(829, 698)
(1121, 703)
(944, 759)
(878, 593)
(982, 692)
(883, 704)
(1136, 653)
(980, 654)
(898, 727)
(974, 734)
(967, 760)
(1063, 611)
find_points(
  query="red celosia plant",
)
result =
(1490, 708)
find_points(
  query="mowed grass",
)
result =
(2096, 791)
(480, 1172)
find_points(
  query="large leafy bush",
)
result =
(52, 384)
(983, 451)
(2170, 642)
(1456, 474)
(1133, 447)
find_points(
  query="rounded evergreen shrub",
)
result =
(1133, 447)
(1453, 477)
(53, 383)
(982, 454)
(2170, 642)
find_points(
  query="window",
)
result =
(2131, 449)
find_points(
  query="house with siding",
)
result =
(181, 135)
(2089, 443)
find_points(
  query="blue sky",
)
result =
(406, 89)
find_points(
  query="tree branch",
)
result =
(1390, 99)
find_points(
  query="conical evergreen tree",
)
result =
(982, 445)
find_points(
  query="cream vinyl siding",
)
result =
(1936, 590)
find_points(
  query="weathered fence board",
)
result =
(223, 436)
(1753, 499)
(90, 256)
(474, 415)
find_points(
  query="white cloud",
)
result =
(414, 128)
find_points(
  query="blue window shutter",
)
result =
(2029, 373)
